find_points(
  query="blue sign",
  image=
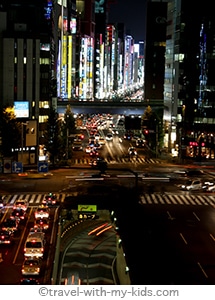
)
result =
(43, 167)
(17, 167)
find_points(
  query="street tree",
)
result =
(53, 136)
(11, 132)
(153, 127)
(68, 128)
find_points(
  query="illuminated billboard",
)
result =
(21, 109)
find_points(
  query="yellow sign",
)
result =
(87, 208)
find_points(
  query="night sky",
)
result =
(132, 14)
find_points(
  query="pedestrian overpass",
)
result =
(124, 107)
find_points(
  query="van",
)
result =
(34, 245)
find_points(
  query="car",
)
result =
(34, 244)
(91, 139)
(31, 266)
(2, 202)
(21, 204)
(79, 137)
(18, 214)
(94, 152)
(77, 146)
(5, 237)
(41, 223)
(128, 136)
(210, 189)
(50, 199)
(35, 174)
(10, 225)
(88, 149)
(109, 137)
(209, 184)
(97, 136)
(35, 230)
(140, 143)
(42, 211)
(98, 162)
(114, 131)
(194, 173)
(132, 151)
(102, 140)
(28, 281)
(97, 146)
(192, 185)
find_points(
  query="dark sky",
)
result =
(132, 14)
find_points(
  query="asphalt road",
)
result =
(165, 243)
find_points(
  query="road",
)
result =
(168, 237)
(171, 244)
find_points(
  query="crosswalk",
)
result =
(145, 199)
(123, 160)
(177, 199)
(34, 199)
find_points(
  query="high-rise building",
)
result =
(189, 85)
(155, 45)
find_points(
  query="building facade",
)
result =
(189, 80)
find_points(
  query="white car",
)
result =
(42, 212)
(109, 137)
(192, 185)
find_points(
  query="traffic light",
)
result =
(146, 131)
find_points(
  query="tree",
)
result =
(153, 125)
(11, 132)
(52, 136)
(68, 128)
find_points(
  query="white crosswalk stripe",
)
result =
(177, 199)
(135, 160)
(33, 199)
